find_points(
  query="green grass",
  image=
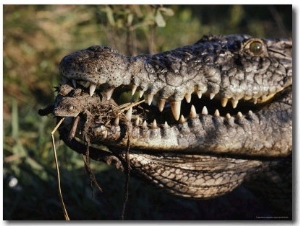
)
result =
(35, 40)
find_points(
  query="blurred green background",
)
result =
(35, 39)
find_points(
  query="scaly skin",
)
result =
(203, 151)
(222, 67)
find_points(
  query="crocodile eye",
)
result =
(256, 48)
(71, 107)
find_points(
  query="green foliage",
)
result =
(35, 40)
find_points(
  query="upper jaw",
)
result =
(251, 89)
(179, 74)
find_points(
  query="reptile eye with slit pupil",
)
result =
(256, 47)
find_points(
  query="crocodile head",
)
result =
(199, 117)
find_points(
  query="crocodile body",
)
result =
(183, 135)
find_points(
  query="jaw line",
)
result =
(213, 146)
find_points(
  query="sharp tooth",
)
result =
(188, 97)
(161, 104)
(166, 125)
(141, 93)
(74, 83)
(217, 113)
(149, 98)
(145, 124)
(154, 124)
(134, 87)
(137, 121)
(234, 103)
(228, 116)
(224, 102)
(109, 94)
(182, 119)
(117, 121)
(92, 89)
(129, 114)
(212, 95)
(239, 115)
(175, 107)
(250, 114)
(199, 94)
(254, 100)
(204, 111)
(193, 113)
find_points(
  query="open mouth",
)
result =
(151, 108)
(199, 125)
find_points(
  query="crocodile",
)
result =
(200, 120)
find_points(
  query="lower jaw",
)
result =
(185, 175)
(201, 133)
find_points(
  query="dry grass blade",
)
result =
(57, 170)
(126, 106)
